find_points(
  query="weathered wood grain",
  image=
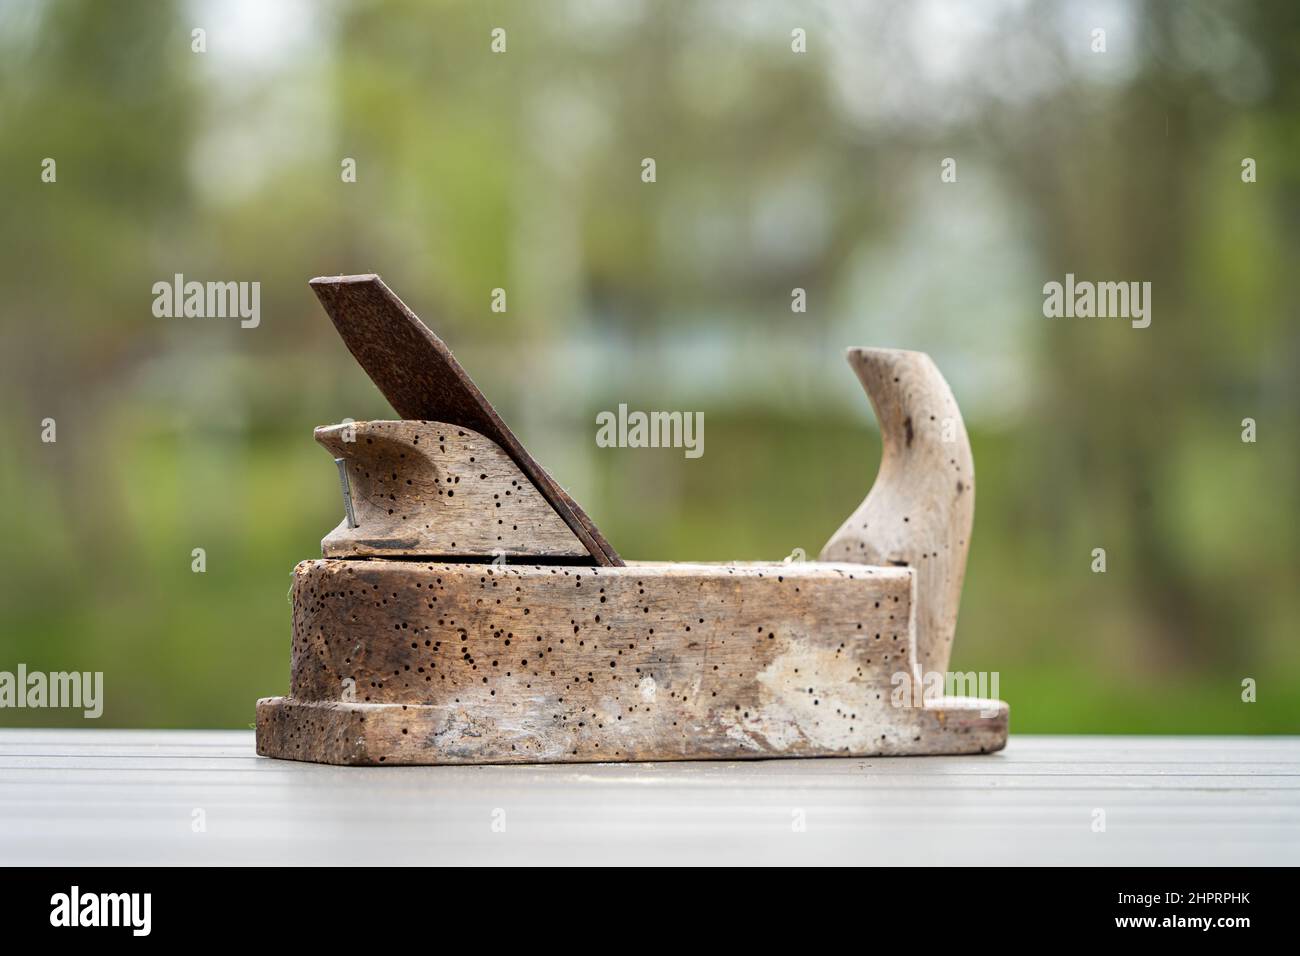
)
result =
(920, 510)
(434, 489)
(442, 658)
(422, 379)
(414, 662)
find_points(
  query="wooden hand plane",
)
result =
(467, 610)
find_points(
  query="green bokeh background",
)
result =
(775, 170)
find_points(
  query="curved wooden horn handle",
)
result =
(920, 510)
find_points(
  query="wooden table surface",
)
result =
(134, 797)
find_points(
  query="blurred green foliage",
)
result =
(775, 170)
